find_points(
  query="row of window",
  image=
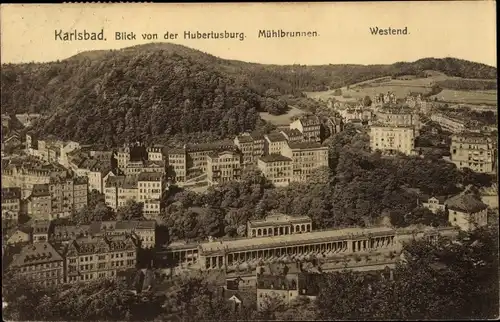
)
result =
(46, 274)
(150, 184)
(41, 266)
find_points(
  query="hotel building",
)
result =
(100, 257)
(252, 147)
(150, 191)
(309, 126)
(223, 167)
(276, 168)
(11, 203)
(475, 151)
(392, 139)
(306, 158)
(39, 263)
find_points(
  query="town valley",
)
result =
(158, 182)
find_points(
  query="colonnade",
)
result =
(183, 256)
(281, 230)
(372, 243)
(217, 261)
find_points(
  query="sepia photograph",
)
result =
(327, 161)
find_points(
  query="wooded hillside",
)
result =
(166, 90)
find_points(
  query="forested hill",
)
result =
(152, 90)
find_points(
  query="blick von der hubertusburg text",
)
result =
(100, 35)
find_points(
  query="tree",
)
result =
(367, 101)
(437, 280)
(337, 92)
(96, 300)
(132, 210)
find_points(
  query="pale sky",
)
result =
(464, 30)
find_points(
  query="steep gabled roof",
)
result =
(467, 203)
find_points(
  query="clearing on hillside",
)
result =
(280, 120)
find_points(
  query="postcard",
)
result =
(249, 161)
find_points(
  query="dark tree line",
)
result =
(360, 188)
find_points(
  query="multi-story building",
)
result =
(277, 224)
(150, 185)
(130, 152)
(476, 151)
(100, 257)
(252, 147)
(20, 236)
(292, 135)
(120, 189)
(136, 167)
(68, 194)
(306, 158)
(435, 204)
(28, 172)
(197, 155)
(392, 139)
(122, 156)
(41, 230)
(143, 232)
(286, 285)
(399, 117)
(157, 153)
(449, 123)
(40, 202)
(335, 125)
(223, 167)
(276, 168)
(309, 126)
(467, 211)
(39, 263)
(96, 176)
(274, 143)
(11, 203)
(177, 165)
(63, 234)
(95, 168)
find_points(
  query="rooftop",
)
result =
(309, 120)
(391, 126)
(176, 151)
(465, 202)
(279, 219)
(277, 282)
(35, 254)
(210, 146)
(40, 190)
(150, 176)
(245, 138)
(274, 158)
(93, 245)
(115, 181)
(219, 154)
(258, 242)
(306, 145)
(11, 193)
(275, 137)
(291, 132)
(41, 226)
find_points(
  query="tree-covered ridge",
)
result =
(133, 98)
(154, 91)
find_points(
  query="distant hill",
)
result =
(161, 89)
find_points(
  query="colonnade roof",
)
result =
(293, 239)
(279, 219)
